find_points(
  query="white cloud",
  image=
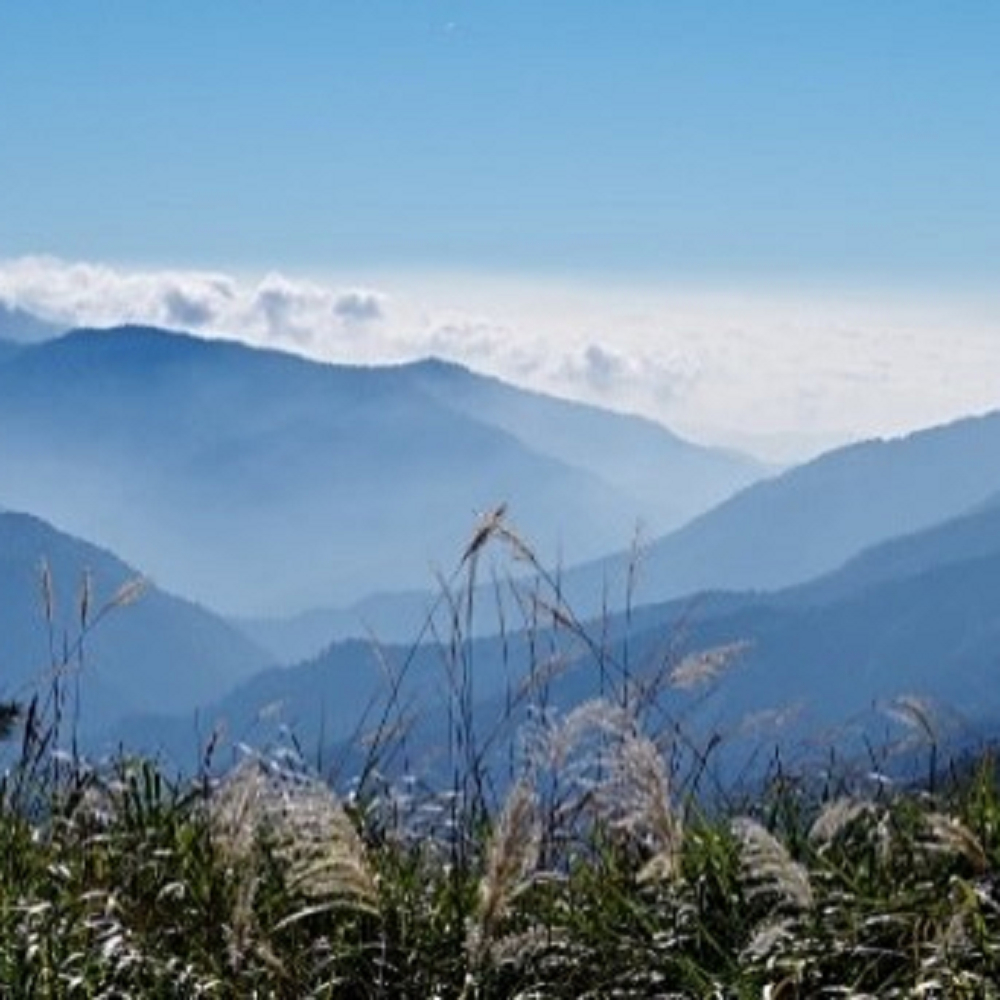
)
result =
(785, 372)
(603, 369)
(359, 305)
(94, 294)
(465, 337)
(274, 309)
(282, 309)
(610, 372)
(187, 311)
(198, 303)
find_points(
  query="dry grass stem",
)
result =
(313, 834)
(489, 525)
(915, 713)
(129, 592)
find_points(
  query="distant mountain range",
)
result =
(673, 479)
(919, 614)
(157, 653)
(814, 517)
(261, 482)
(820, 666)
(774, 533)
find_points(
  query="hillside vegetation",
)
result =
(573, 851)
(595, 876)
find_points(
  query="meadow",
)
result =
(596, 866)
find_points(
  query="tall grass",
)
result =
(590, 868)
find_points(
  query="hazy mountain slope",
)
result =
(20, 326)
(827, 684)
(970, 536)
(935, 634)
(812, 518)
(675, 479)
(918, 616)
(157, 653)
(392, 618)
(803, 524)
(263, 482)
(398, 617)
(332, 697)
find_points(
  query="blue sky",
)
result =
(637, 143)
(852, 137)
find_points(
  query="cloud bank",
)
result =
(272, 309)
(783, 373)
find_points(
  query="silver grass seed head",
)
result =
(837, 816)
(949, 835)
(768, 867)
(511, 860)
(700, 668)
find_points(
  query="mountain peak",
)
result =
(434, 364)
(132, 335)
(261, 481)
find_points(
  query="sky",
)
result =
(770, 225)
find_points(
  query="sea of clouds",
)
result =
(782, 372)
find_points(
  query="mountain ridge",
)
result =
(156, 652)
(916, 617)
(258, 480)
(803, 523)
(812, 518)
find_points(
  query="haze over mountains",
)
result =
(813, 517)
(18, 326)
(775, 533)
(911, 625)
(157, 653)
(261, 482)
(821, 666)
(254, 480)
(671, 478)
